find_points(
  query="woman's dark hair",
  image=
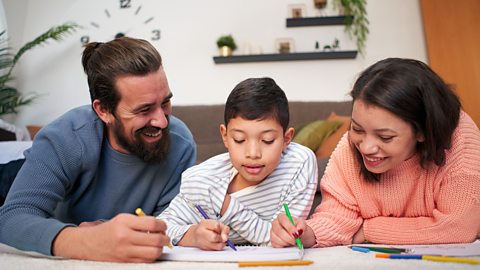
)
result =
(105, 62)
(415, 93)
(258, 98)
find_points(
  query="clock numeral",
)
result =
(84, 39)
(125, 4)
(156, 34)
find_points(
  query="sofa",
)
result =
(204, 121)
(308, 119)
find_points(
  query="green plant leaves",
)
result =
(10, 97)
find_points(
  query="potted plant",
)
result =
(226, 45)
(356, 22)
(10, 97)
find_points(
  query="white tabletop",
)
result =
(324, 258)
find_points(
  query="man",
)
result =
(89, 170)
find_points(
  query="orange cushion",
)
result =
(329, 144)
(33, 130)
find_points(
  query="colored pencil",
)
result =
(204, 214)
(274, 263)
(140, 213)
(297, 239)
(384, 249)
(361, 249)
(429, 258)
(451, 259)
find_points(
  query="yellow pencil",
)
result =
(273, 263)
(140, 213)
(450, 259)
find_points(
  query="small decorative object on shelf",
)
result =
(320, 6)
(296, 11)
(284, 45)
(356, 22)
(226, 44)
(320, 3)
(335, 45)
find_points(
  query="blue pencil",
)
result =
(399, 256)
(361, 249)
(199, 208)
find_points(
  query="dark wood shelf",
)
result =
(299, 56)
(314, 21)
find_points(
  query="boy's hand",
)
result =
(207, 235)
(283, 232)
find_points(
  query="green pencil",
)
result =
(287, 212)
(385, 249)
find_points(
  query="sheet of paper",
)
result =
(244, 254)
(460, 250)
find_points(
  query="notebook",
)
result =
(243, 254)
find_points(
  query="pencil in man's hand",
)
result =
(140, 213)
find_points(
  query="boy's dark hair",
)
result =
(415, 93)
(258, 98)
(105, 62)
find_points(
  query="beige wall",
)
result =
(189, 31)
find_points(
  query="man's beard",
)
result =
(149, 152)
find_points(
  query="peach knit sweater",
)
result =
(409, 205)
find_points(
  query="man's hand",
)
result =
(124, 238)
(207, 235)
(283, 232)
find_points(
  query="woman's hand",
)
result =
(283, 232)
(359, 236)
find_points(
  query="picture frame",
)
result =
(297, 11)
(284, 45)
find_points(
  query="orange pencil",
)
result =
(274, 263)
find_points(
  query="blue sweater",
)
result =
(71, 174)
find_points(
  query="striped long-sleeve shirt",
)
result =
(251, 210)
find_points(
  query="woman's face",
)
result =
(383, 139)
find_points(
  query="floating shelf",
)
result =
(313, 21)
(300, 56)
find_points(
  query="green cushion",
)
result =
(313, 134)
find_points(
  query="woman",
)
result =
(407, 171)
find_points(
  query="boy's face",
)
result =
(255, 148)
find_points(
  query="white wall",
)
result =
(189, 30)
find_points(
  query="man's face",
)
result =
(140, 123)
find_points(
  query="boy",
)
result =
(244, 190)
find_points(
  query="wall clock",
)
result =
(122, 18)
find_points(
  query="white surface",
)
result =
(13, 150)
(469, 249)
(189, 30)
(243, 254)
(338, 258)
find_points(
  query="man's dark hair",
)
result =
(104, 63)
